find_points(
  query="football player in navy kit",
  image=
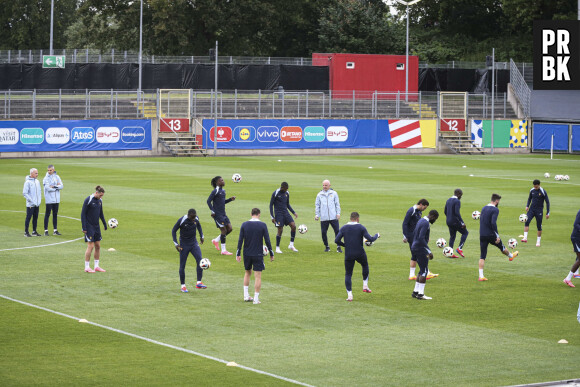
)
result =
(279, 207)
(91, 213)
(354, 234)
(420, 249)
(575, 238)
(188, 225)
(217, 204)
(535, 209)
(454, 221)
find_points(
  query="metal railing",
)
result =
(123, 104)
(521, 88)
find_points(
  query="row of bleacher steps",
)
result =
(460, 143)
(181, 145)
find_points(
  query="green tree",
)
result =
(356, 26)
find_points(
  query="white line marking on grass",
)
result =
(50, 244)
(157, 342)
(512, 178)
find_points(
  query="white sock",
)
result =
(366, 283)
(421, 289)
(291, 244)
(182, 285)
(55, 230)
(412, 271)
(87, 265)
(96, 263)
(256, 296)
(569, 276)
(525, 235)
(223, 247)
(45, 230)
(577, 271)
(538, 241)
(246, 292)
(349, 294)
(480, 273)
(217, 239)
(416, 287)
(510, 255)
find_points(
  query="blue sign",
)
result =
(50, 136)
(307, 133)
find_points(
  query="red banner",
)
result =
(452, 125)
(224, 133)
(176, 125)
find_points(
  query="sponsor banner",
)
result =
(405, 133)
(50, 136)
(224, 134)
(300, 133)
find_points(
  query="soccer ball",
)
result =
(265, 250)
(204, 263)
(113, 223)
(566, 177)
(441, 243)
(448, 252)
(546, 175)
(302, 229)
(475, 215)
(558, 177)
(367, 242)
(512, 243)
(523, 218)
(236, 178)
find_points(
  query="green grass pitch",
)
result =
(504, 331)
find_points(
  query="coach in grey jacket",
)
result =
(327, 209)
(52, 186)
(33, 195)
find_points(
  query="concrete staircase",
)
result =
(460, 143)
(181, 145)
(423, 110)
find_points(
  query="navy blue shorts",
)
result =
(283, 219)
(93, 236)
(486, 241)
(255, 262)
(349, 263)
(533, 214)
(221, 220)
(576, 244)
(422, 260)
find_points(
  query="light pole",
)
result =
(215, 127)
(51, 24)
(407, 3)
(140, 54)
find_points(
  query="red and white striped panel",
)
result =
(405, 133)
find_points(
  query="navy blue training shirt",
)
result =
(280, 203)
(422, 232)
(576, 228)
(536, 200)
(452, 207)
(488, 221)
(91, 213)
(253, 234)
(187, 233)
(411, 218)
(217, 201)
(353, 234)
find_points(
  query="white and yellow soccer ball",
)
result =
(475, 215)
(523, 218)
(204, 263)
(448, 252)
(113, 223)
(236, 177)
(441, 243)
(367, 242)
(512, 243)
(546, 175)
(302, 229)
